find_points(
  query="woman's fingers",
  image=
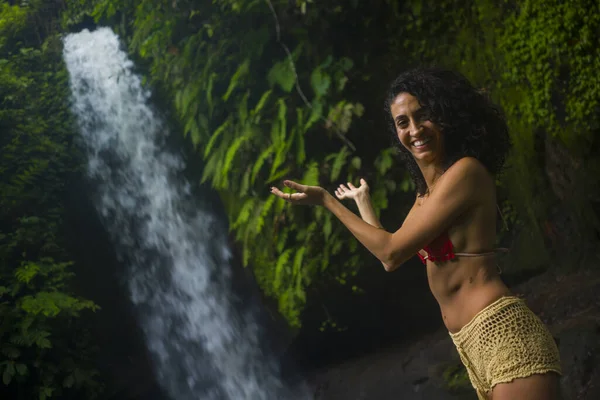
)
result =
(362, 181)
(297, 196)
(296, 186)
(351, 186)
(279, 193)
(290, 196)
(340, 193)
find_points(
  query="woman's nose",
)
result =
(415, 128)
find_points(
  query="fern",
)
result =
(260, 220)
(237, 143)
(282, 241)
(27, 271)
(261, 103)
(280, 270)
(315, 114)
(280, 155)
(311, 176)
(260, 161)
(241, 72)
(212, 167)
(209, 88)
(245, 184)
(244, 214)
(278, 175)
(243, 108)
(338, 163)
(213, 138)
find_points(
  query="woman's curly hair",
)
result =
(471, 124)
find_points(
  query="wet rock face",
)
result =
(580, 351)
(414, 372)
(570, 306)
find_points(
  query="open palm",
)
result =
(306, 195)
(352, 192)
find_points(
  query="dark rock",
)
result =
(569, 304)
(580, 356)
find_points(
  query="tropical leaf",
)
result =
(260, 162)
(215, 136)
(311, 176)
(316, 112)
(240, 73)
(245, 212)
(283, 75)
(339, 162)
(261, 103)
(282, 264)
(231, 152)
(264, 211)
(320, 82)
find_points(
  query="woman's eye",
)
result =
(402, 124)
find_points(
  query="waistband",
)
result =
(485, 313)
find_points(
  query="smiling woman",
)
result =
(416, 132)
(454, 141)
(446, 101)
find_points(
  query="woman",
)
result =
(454, 141)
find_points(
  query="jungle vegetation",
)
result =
(269, 89)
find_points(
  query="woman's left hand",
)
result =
(306, 195)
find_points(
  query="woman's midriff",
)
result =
(463, 288)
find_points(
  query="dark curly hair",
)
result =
(471, 124)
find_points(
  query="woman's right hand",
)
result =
(351, 192)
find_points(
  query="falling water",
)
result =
(177, 255)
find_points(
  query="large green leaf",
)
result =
(283, 75)
(320, 82)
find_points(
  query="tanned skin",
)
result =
(460, 201)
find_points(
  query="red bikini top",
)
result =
(441, 249)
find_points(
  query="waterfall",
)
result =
(178, 261)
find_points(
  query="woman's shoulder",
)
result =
(468, 162)
(468, 168)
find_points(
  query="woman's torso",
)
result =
(466, 285)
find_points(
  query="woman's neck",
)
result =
(431, 173)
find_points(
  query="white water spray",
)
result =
(178, 257)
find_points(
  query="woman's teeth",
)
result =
(420, 143)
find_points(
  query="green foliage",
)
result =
(261, 98)
(233, 88)
(552, 50)
(13, 21)
(43, 349)
(270, 100)
(456, 378)
(538, 60)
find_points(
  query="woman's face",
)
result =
(421, 137)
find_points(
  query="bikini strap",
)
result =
(488, 253)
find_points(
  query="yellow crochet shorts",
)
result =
(505, 341)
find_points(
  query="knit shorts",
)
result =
(505, 341)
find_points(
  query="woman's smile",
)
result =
(416, 132)
(421, 144)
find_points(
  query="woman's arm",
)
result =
(363, 201)
(456, 191)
